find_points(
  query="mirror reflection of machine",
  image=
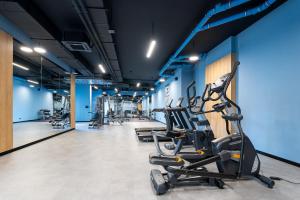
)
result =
(61, 112)
(98, 115)
(115, 112)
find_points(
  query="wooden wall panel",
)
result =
(6, 91)
(213, 72)
(72, 101)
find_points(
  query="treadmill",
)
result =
(145, 134)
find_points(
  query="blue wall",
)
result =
(83, 102)
(267, 83)
(28, 101)
(177, 88)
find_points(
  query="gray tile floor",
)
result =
(26, 132)
(111, 164)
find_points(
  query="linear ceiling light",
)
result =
(151, 48)
(31, 81)
(102, 68)
(40, 50)
(26, 49)
(20, 66)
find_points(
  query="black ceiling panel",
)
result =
(172, 20)
(133, 24)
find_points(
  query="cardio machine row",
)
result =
(178, 120)
(234, 154)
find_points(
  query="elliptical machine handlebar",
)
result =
(220, 88)
(195, 104)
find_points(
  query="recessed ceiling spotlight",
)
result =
(138, 84)
(102, 68)
(40, 50)
(26, 49)
(162, 80)
(194, 58)
(31, 81)
(151, 48)
(152, 89)
(20, 66)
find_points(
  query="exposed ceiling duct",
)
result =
(90, 17)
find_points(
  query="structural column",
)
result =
(72, 101)
(6, 91)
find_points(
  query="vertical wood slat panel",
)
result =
(6, 91)
(72, 101)
(212, 73)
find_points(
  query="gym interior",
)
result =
(136, 99)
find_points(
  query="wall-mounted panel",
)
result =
(212, 73)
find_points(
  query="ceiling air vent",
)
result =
(76, 41)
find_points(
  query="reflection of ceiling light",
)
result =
(102, 68)
(138, 84)
(55, 91)
(194, 58)
(119, 94)
(116, 89)
(31, 81)
(39, 50)
(96, 87)
(152, 89)
(104, 93)
(111, 31)
(162, 80)
(134, 94)
(21, 66)
(66, 91)
(151, 48)
(146, 93)
(26, 49)
(31, 86)
(71, 73)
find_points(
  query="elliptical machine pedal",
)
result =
(158, 181)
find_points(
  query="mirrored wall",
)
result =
(41, 101)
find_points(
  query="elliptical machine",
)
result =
(195, 132)
(234, 155)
